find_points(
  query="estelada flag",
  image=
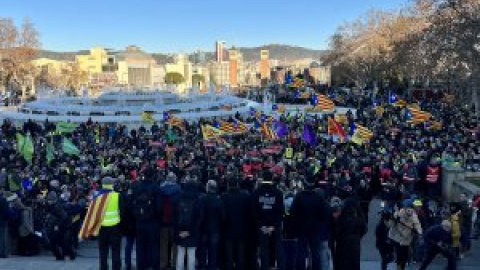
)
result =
(95, 214)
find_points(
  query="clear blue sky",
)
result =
(183, 26)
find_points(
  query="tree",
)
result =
(17, 48)
(174, 78)
(197, 79)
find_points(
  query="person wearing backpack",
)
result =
(146, 208)
(187, 219)
(170, 191)
(214, 214)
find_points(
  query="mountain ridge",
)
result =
(277, 51)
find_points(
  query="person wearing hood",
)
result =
(170, 191)
(268, 210)
(188, 216)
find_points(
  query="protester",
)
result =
(312, 218)
(170, 190)
(438, 239)
(383, 243)
(56, 225)
(146, 209)
(351, 227)
(3, 224)
(211, 227)
(269, 210)
(188, 218)
(404, 225)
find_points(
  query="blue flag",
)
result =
(353, 127)
(257, 123)
(166, 116)
(280, 128)
(309, 135)
(274, 107)
(408, 114)
(314, 99)
(393, 98)
(297, 94)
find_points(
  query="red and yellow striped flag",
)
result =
(268, 132)
(418, 116)
(324, 103)
(176, 122)
(235, 127)
(95, 213)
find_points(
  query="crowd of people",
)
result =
(248, 202)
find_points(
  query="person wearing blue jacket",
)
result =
(438, 239)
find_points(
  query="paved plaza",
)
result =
(88, 256)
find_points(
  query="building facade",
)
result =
(220, 51)
(264, 66)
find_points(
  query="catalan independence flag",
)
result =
(268, 132)
(173, 121)
(360, 134)
(213, 134)
(323, 103)
(95, 213)
(231, 127)
(415, 115)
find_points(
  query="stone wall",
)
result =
(456, 181)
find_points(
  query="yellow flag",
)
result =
(148, 117)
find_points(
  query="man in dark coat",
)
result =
(268, 210)
(57, 223)
(187, 219)
(350, 229)
(146, 207)
(210, 228)
(309, 210)
(3, 225)
(238, 217)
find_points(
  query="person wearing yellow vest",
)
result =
(288, 153)
(110, 236)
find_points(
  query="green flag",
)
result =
(20, 142)
(28, 148)
(66, 127)
(171, 136)
(25, 147)
(69, 148)
(50, 150)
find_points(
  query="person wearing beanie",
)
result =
(438, 240)
(211, 226)
(268, 212)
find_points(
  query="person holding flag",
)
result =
(103, 220)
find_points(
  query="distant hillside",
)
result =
(277, 51)
(280, 52)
